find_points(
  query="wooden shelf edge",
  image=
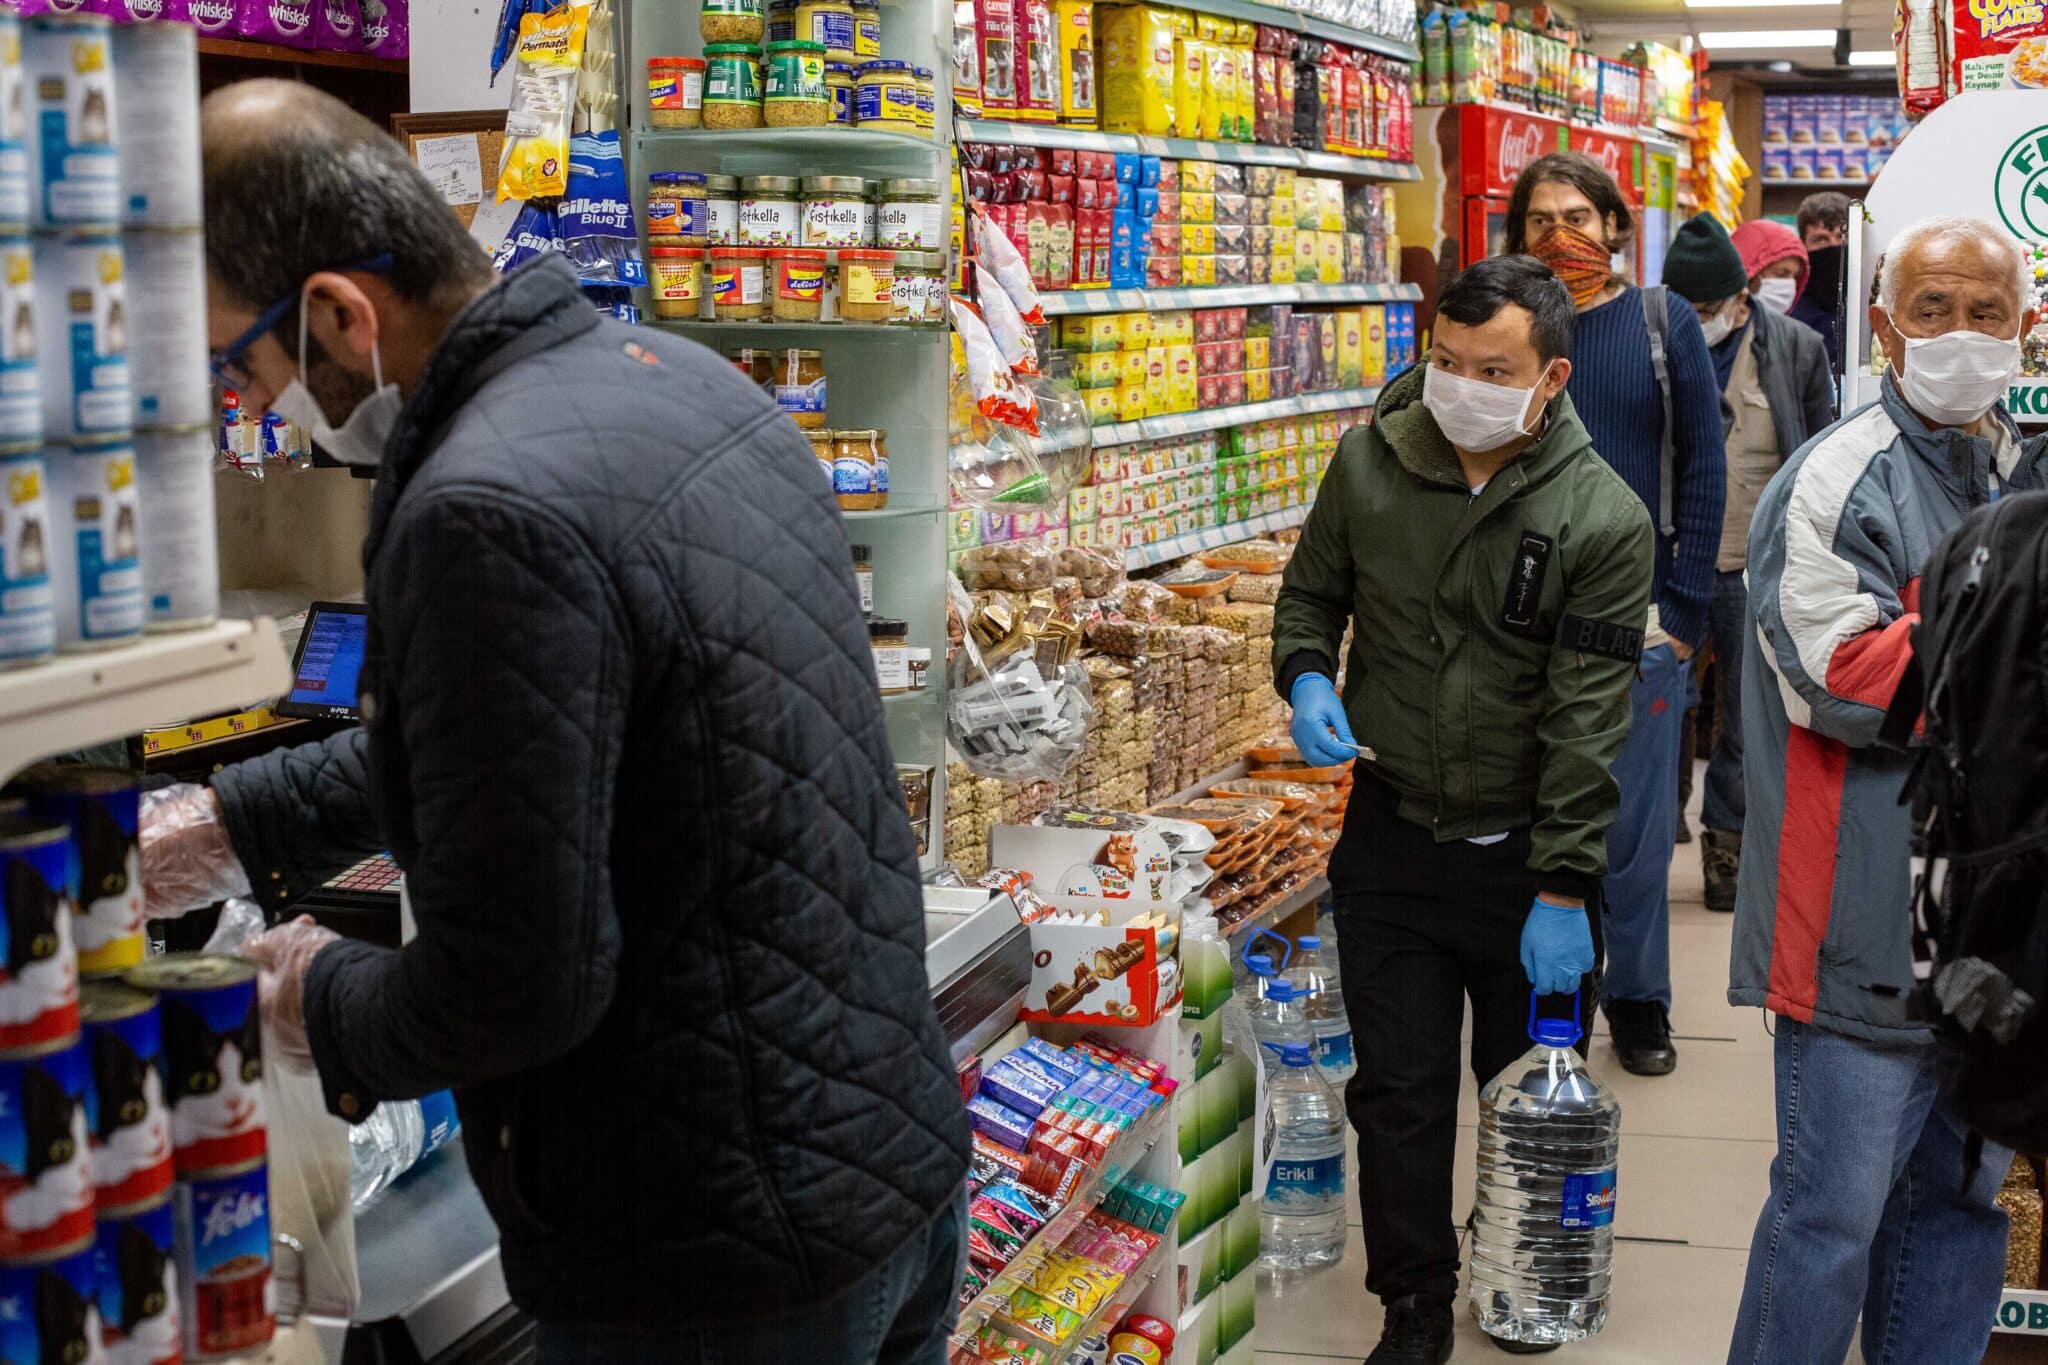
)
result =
(294, 56)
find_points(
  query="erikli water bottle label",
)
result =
(1306, 1183)
(1588, 1200)
(1333, 1050)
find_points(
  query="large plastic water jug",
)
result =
(1301, 1218)
(1543, 1217)
(1315, 979)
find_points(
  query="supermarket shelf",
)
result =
(1087, 1193)
(803, 149)
(1307, 893)
(867, 331)
(1211, 419)
(1213, 538)
(1371, 42)
(896, 511)
(293, 56)
(1069, 301)
(78, 700)
(1244, 153)
(1816, 184)
(2022, 1312)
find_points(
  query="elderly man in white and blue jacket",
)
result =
(1868, 1210)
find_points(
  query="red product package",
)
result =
(1330, 76)
(981, 185)
(1031, 185)
(1060, 260)
(1163, 272)
(1085, 194)
(1063, 161)
(1266, 97)
(1208, 325)
(1102, 220)
(1059, 189)
(1165, 238)
(1036, 248)
(995, 28)
(1169, 205)
(1355, 116)
(1209, 389)
(1230, 356)
(1038, 61)
(1232, 386)
(1230, 322)
(1208, 357)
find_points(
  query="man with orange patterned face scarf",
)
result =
(1644, 385)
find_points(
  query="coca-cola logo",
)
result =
(1608, 154)
(1518, 149)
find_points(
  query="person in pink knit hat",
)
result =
(1775, 260)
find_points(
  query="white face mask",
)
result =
(362, 435)
(1474, 414)
(1957, 377)
(1718, 327)
(1777, 295)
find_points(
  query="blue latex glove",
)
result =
(1557, 947)
(1317, 712)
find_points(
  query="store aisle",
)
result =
(1695, 1163)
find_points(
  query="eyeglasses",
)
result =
(226, 362)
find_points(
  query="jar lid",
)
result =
(923, 73)
(866, 4)
(910, 187)
(835, 184)
(732, 50)
(676, 178)
(839, 69)
(886, 627)
(801, 47)
(740, 253)
(725, 184)
(768, 184)
(862, 553)
(794, 354)
(883, 67)
(808, 255)
(781, 4)
(669, 253)
(910, 260)
(930, 260)
(867, 255)
(686, 63)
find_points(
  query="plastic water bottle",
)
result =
(1543, 1218)
(1278, 1021)
(1301, 1219)
(1315, 980)
(1259, 973)
(398, 1135)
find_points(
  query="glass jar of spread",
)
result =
(675, 209)
(675, 92)
(730, 21)
(781, 21)
(885, 96)
(853, 474)
(732, 85)
(867, 30)
(677, 276)
(722, 210)
(799, 289)
(867, 285)
(839, 85)
(907, 215)
(795, 95)
(920, 293)
(927, 98)
(738, 283)
(889, 638)
(770, 212)
(870, 447)
(837, 211)
(864, 578)
(828, 22)
(799, 385)
(756, 364)
(823, 441)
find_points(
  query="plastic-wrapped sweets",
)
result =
(1018, 725)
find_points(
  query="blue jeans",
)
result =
(1868, 1214)
(1728, 621)
(900, 1313)
(1645, 830)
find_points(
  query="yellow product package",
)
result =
(1137, 50)
(1197, 272)
(1373, 356)
(1281, 271)
(1307, 251)
(1133, 331)
(1330, 257)
(1331, 200)
(1074, 23)
(1219, 93)
(1190, 73)
(1182, 386)
(1174, 325)
(1131, 366)
(1308, 203)
(1350, 349)
(1130, 402)
(1246, 84)
(549, 54)
(1089, 332)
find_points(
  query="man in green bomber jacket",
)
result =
(1496, 573)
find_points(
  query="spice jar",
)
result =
(867, 285)
(796, 94)
(770, 212)
(781, 21)
(675, 92)
(864, 578)
(907, 215)
(829, 22)
(799, 290)
(885, 96)
(867, 30)
(677, 277)
(732, 86)
(836, 211)
(799, 386)
(823, 440)
(889, 638)
(730, 21)
(738, 289)
(675, 209)
(839, 87)
(853, 474)
(722, 210)
(927, 98)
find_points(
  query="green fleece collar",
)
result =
(1411, 432)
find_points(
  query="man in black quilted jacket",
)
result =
(621, 729)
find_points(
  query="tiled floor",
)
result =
(1694, 1169)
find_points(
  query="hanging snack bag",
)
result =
(1000, 398)
(995, 253)
(548, 52)
(1006, 326)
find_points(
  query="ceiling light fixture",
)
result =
(1754, 4)
(1877, 56)
(1784, 38)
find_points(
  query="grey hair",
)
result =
(296, 182)
(1947, 227)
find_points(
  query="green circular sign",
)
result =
(2020, 185)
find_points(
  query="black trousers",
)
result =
(1421, 927)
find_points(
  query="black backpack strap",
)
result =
(1657, 318)
(1908, 702)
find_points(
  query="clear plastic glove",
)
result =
(1557, 947)
(1318, 714)
(285, 954)
(188, 861)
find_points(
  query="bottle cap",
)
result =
(1258, 964)
(1279, 990)
(1309, 943)
(1292, 1054)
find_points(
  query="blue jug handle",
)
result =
(1286, 948)
(1578, 1030)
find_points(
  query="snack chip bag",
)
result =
(995, 253)
(1006, 325)
(1000, 398)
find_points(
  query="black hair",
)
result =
(1477, 293)
(1583, 174)
(296, 182)
(1825, 208)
